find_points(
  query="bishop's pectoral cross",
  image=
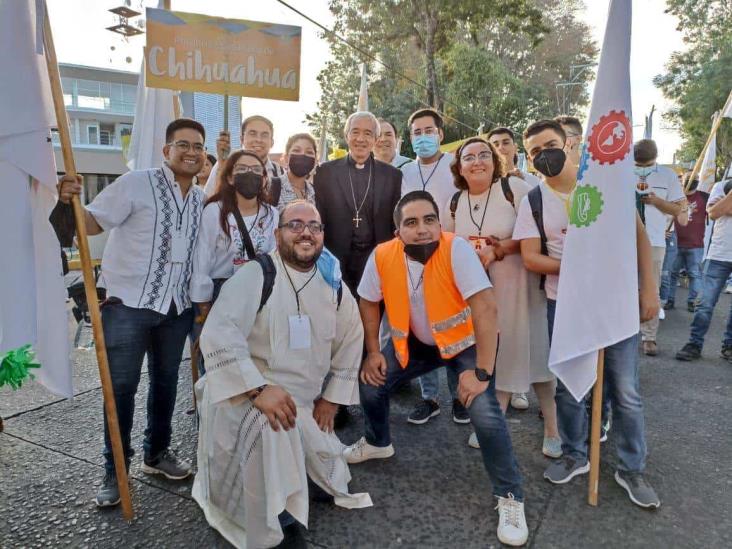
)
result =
(356, 220)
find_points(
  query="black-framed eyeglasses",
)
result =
(246, 169)
(298, 227)
(185, 146)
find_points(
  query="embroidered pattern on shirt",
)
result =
(192, 234)
(165, 240)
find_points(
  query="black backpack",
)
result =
(537, 211)
(275, 191)
(505, 187)
(270, 271)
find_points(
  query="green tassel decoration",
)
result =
(15, 366)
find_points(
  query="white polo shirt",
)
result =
(147, 262)
(435, 178)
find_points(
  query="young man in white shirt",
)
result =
(717, 270)
(545, 142)
(504, 141)
(153, 217)
(431, 173)
(257, 134)
(442, 312)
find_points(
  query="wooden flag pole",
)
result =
(110, 407)
(226, 113)
(715, 127)
(595, 431)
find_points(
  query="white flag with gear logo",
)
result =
(597, 299)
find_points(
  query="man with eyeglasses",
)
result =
(431, 173)
(257, 134)
(266, 416)
(153, 217)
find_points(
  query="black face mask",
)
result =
(248, 184)
(550, 162)
(421, 252)
(301, 164)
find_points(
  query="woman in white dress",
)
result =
(237, 224)
(483, 211)
(301, 158)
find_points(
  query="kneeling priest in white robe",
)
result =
(266, 415)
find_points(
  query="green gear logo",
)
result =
(586, 206)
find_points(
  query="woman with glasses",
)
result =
(483, 211)
(301, 158)
(237, 224)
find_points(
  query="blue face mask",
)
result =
(426, 146)
(330, 268)
(644, 171)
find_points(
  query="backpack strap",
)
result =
(537, 211)
(270, 272)
(454, 203)
(275, 191)
(507, 192)
(246, 240)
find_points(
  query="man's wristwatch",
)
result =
(483, 375)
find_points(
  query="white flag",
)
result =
(708, 170)
(597, 303)
(153, 113)
(32, 293)
(363, 94)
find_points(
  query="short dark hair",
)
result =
(496, 131)
(182, 123)
(413, 196)
(297, 137)
(645, 150)
(211, 158)
(571, 121)
(383, 121)
(255, 118)
(546, 124)
(421, 113)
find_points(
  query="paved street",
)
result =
(434, 493)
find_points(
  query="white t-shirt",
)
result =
(530, 178)
(664, 184)
(555, 227)
(470, 278)
(216, 256)
(720, 247)
(273, 170)
(435, 178)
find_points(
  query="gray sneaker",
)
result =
(108, 493)
(639, 491)
(169, 465)
(563, 470)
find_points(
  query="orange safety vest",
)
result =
(448, 314)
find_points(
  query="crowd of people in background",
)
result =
(313, 287)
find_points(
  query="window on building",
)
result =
(92, 132)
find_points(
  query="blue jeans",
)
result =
(430, 384)
(485, 413)
(713, 282)
(689, 259)
(129, 334)
(668, 263)
(622, 390)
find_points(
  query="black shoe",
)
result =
(690, 352)
(459, 413)
(108, 493)
(423, 412)
(668, 306)
(294, 537)
(726, 353)
(691, 306)
(169, 465)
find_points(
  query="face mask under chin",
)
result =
(421, 252)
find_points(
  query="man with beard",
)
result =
(266, 417)
(355, 196)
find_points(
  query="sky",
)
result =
(79, 28)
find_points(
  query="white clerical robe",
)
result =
(247, 473)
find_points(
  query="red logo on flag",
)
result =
(611, 138)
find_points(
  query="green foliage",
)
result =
(15, 366)
(481, 62)
(699, 79)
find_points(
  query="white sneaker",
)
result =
(512, 529)
(661, 314)
(363, 451)
(473, 441)
(520, 401)
(728, 289)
